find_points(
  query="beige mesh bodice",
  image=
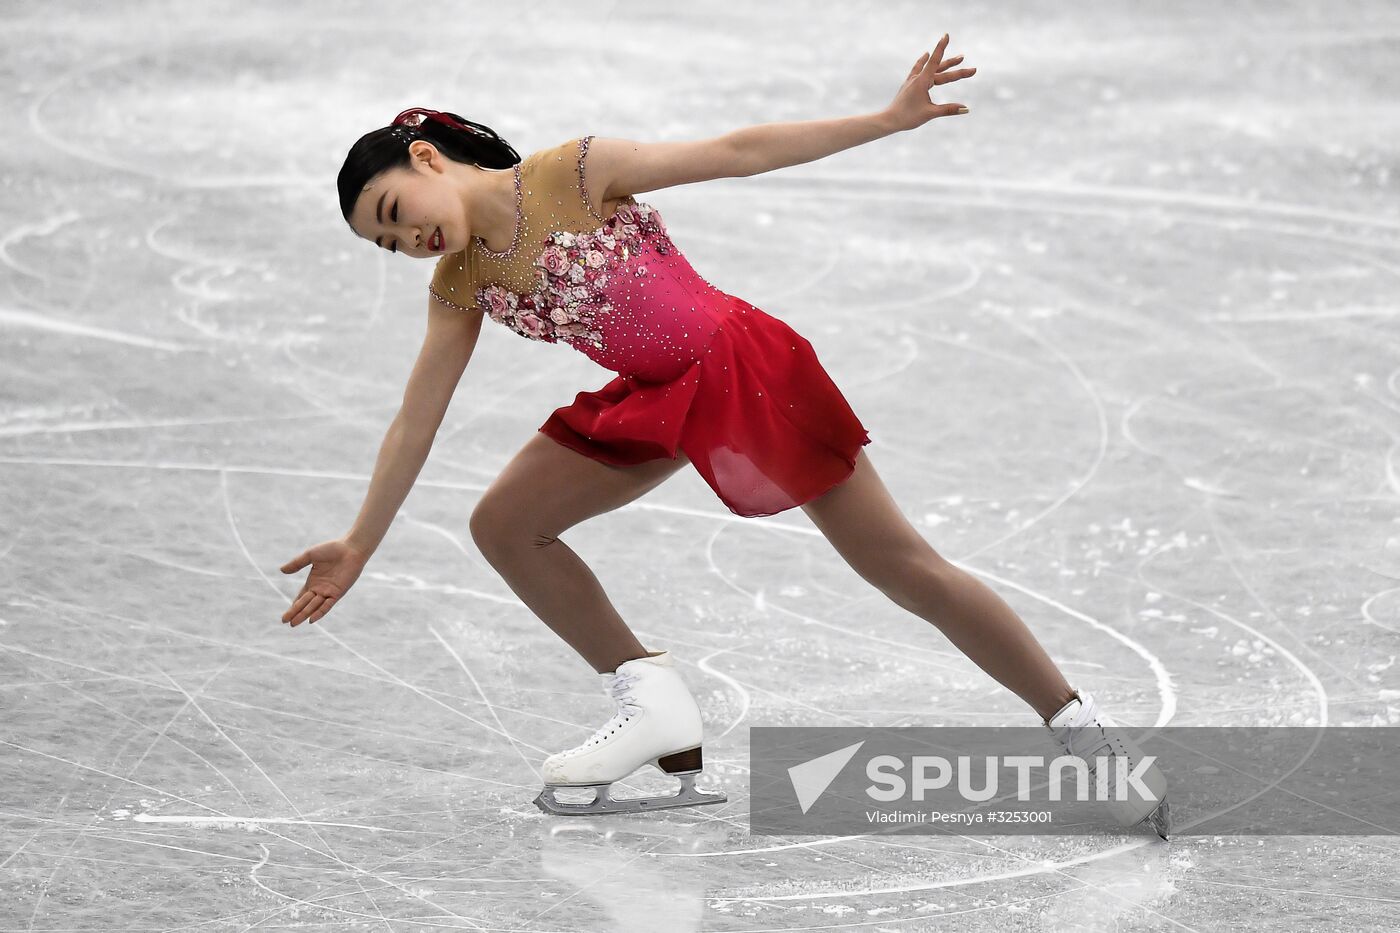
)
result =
(553, 196)
(699, 371)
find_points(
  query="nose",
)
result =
(404, 236)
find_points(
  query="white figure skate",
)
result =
(1083, 730)
(657, 723)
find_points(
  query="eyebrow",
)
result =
(379, 217)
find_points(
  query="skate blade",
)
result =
(604, 802)
(1159, 820)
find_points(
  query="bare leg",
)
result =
(545, 489)
(866, 527)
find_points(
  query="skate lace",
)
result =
(1087, 741)
(620, 690)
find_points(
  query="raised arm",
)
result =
(620, 167)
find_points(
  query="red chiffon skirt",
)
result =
(757, 415)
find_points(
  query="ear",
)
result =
(425, 156)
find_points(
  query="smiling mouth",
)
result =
(435, 241)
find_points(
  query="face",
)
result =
(403, 209)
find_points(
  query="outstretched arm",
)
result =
(778, 145)
(447, 347)
(336, 564)
(624, 166)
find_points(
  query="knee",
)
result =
(487, 525)
(497, 528)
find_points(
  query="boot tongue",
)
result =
(658, 659)
(1067, 714)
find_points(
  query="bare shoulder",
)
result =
(617, 167)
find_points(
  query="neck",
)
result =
(492, 208)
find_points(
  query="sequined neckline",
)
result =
(519, 222)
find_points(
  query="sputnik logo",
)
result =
(811, 778)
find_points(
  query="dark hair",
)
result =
(387, 147)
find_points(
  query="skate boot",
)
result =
(1085, 731)
(657, 723)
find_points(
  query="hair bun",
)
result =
(386, 147)
(415, 116)
(411, 117)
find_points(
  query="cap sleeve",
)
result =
(580, 153)
(452, 283)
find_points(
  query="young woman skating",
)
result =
(556, 247)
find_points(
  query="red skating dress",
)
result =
(699, 371)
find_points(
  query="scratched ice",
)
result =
(1125, 338)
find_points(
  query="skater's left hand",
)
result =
(912, 107)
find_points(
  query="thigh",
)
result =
(862, 521)
(547, 487)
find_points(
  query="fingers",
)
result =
(311, 609)
(295, 608)
(951, 76)
(296, 563)
(311, 606)
(938, 74)
(941, 66)
(306, 603)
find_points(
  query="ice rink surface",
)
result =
(1125, 338)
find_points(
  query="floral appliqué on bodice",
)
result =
(616, 289)
(573, 269)
(699, 371)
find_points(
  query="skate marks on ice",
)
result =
(1255, 644)
(244, 775)
(614, 868)
(1142, 886)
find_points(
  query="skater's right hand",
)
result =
(335, 566)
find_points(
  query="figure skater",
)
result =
(556, 247)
